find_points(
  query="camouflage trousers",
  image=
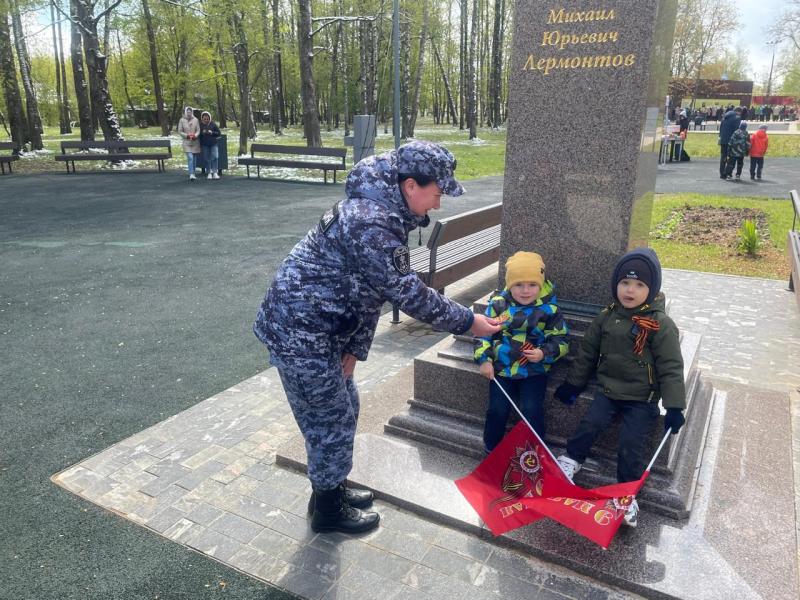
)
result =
(325, 406)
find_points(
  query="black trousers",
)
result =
(734, 161)
(723, 158)
(756, 165)
(638, 421)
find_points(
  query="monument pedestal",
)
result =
(448, 408)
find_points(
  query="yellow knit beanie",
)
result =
(524, 266)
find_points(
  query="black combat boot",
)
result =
(355, 498)
(332, 513)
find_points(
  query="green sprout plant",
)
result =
(748, 238)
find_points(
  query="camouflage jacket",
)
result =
(327, 295)
(541, 324)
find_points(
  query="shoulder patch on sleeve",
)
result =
(401, 259)
(329, 218)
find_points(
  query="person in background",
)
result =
(189, 130)
(738, 147)
(758, 148)
(209, 133)
(730, 123)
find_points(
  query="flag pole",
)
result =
(658, 450)
(533, 431)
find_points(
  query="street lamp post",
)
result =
(774, 44)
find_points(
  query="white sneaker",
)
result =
(216, 176)
(569, 466)
(210, 176)
(632, 514)
(192, 177)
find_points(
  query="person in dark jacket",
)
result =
(730, 123)
(738, 147)
(209, 133)
(320, 312)
(634, 349)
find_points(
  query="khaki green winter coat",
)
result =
(623, 374)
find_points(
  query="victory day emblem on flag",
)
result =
(520, 482)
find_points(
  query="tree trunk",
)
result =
(125, 77)
(346, 82)
(16, 117)
(241, 58)
(307, 89)
(219, 81)
(471, 82)
(65, 112)
(79, 75)
(334, 92)
(463, 64)
(62, 123)
(405, 73)
(35, 129)
(496, 77)
(423, 38)
(151, 44)
(278, 103)
(451, 107)
(97, 65)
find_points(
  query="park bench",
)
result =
(459, 246)
(295, 163)
(8, 158)
(794, 246)
(114, 150)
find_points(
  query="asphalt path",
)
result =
(701, 176)
(126, 298)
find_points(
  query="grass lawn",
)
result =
(477, 158)
(703, 144)
(771, 262)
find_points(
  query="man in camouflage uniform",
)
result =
(320, 313)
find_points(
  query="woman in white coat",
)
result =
(189, 130)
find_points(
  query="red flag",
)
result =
(515, 470)
(520, 482)
(595, 514)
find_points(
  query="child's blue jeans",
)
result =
(528, 395)
(638, 421)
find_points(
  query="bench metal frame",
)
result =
(793, 243)
(459, 246)
(81, 146)
(259, 161)
(7, 159)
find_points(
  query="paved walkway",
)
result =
(206, 478)
(126, 298)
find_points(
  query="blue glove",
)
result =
(568, 393)
(674, 420)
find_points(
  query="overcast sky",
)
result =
(755, 17)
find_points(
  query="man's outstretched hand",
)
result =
(483, 326)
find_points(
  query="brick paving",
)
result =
(206, 478)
